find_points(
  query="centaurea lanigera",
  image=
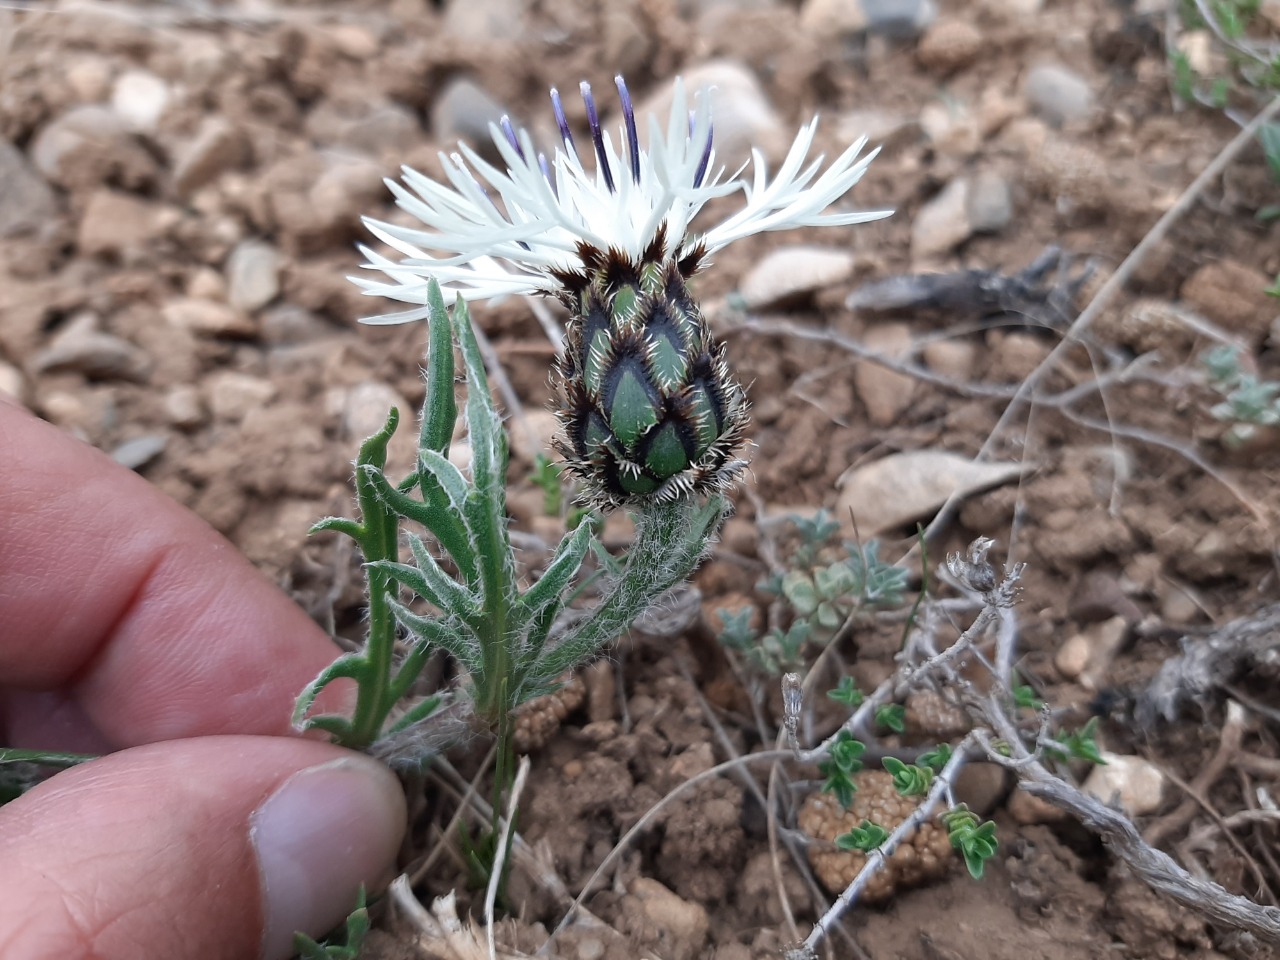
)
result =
(652, 416)
(649, 408)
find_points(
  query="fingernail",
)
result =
(327, 830)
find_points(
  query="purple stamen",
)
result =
(706, 159)
(510, 133)
(629, 116)
(593, 120)
(566, 135)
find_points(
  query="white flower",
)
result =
(491, 232)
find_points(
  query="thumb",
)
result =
(218, 847)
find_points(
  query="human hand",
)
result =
(127, 624)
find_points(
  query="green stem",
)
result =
(671, 539)
(379, 542)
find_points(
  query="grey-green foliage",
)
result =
(465, 572)
(1248, 401)
(822, 592)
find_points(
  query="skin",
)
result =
(129, 626)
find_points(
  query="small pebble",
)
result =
(899, 19)
(232, 395)
(950, 358)
(744, 117)
(790, 275)
(116, 224)
(950, 45)
(253, 275)
(138, 452)
(885, 393)
(1134, 784)
(216, 148)
(1058, 94)
(943, 222)
(12, 383)
(183, 407)
(989, 204)
(207, 317)
(26, 202)
(139, 98)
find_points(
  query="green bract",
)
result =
(649, 408)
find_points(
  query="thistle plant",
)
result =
(652, 417)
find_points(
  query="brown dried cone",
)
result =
(537, 719)
(924, 855)
(649, 408)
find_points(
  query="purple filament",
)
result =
(629, 116)
(706, 159)
(566, 135)
(510, 134)
(593, 120)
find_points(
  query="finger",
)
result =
(209, 848)
(158, 627)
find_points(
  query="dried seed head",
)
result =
(539, 718)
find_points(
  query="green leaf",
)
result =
(439, 409)
(564, 564)
(45, 758)
(846, 752)
(909, 780)
(351, 666)
(1025, 698)
(341, 524)
(892, 716)
(800, 592)
(356, 929)
(431, 583)
(416, 714)
(455, 639)
(444, 524)
(937, 758)
(1083, 743)
(488, 439)
(867, 836)
(846, 692)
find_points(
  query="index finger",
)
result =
(148, 619)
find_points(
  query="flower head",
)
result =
(649, 408)
(491, 232)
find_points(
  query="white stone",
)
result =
(743, 116)
(183, 407)
(253, 275)
(791, 273)
(1133, 784)
(943, 222)
(207, 317)
(139, 98)
(1057, 94)
(12, 383)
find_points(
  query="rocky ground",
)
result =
(180, 194)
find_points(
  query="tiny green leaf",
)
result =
(867, 836)
(892, 716)
(846, 692)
